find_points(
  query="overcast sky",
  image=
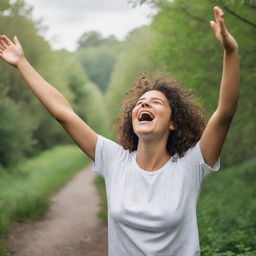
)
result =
(68, 19)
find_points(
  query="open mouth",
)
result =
(145, 116)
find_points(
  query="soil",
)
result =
(70, 227)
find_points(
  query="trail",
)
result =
(70, 227)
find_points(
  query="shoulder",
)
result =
(109, 146)
(107, 153)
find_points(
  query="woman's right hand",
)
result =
(11, 52)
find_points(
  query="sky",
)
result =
(67, 20)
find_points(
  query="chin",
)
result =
(145, 133)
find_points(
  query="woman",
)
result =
(153, 178)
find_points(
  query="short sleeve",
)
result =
(106, 153)
(195, 161)
(204, 169)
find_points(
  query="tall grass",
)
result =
(227, 212)
(25, 191)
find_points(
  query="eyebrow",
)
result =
(154, 98)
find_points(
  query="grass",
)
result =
(226, 211)
(100, 184)
(25, 191)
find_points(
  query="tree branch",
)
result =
(250, 5)
(183, 9)
(240, 17)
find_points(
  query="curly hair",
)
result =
(187, 115)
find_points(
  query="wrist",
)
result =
(21, 62)
(231, 51)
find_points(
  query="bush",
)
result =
(227, 210)
(15, 132)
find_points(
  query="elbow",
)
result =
(229, 108)
(63, 116)
(227, 113)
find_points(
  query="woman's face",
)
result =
(151, 115)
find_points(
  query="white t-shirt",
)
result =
(151, 213)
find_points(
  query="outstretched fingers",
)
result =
(1, 46)
(5, 41)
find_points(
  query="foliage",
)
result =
(15, 132)
(16, 20)
(94, 38)
(100, 184)
(227, 222)
(97, 115)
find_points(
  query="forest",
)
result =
(96, 76)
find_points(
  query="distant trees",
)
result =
(92, 38)
(98, 56)
(20, 113)
(25, 126)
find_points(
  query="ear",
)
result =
(171, 126)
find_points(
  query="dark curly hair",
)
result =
(186, 114)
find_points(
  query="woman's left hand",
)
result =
(221, 32)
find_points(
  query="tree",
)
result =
(98, 60)
(92, 38)
(5, 5)
(16, 129)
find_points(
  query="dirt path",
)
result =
(71, 226)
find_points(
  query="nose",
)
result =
(144, 104)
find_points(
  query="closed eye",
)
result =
(157, 102)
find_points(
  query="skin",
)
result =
(153, 134)
(151, 154)
(214, 135)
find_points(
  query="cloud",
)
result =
(83, 6)
(68, 19)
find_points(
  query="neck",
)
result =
(152, 155)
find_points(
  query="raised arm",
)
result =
(52, 99)
(216, 130)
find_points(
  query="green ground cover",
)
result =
(227, 210)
